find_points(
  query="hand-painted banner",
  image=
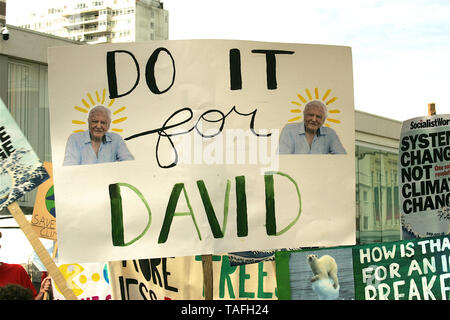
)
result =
(43, 219)
(181, 278)
(20, 168)
(208, 140)
(424, 170)
(416, 269)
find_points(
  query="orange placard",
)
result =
(43, 219)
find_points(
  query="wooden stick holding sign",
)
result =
(55, 251)
(207, 276)
(42, 253)
(431, 109)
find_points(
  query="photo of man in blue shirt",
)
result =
(310, 136)
(96, 145)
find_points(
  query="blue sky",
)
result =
(401, 48)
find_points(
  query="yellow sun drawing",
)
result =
(99, 99)
(309, 96)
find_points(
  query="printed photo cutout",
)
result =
(324, 274)
(95, 142)
(313, 134)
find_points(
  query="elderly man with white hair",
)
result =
(96, 145)
(309, 136)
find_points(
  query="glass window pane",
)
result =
(28, 103)
(377, 207)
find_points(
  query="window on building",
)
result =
(377, 203)
(28, 103)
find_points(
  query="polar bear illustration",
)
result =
(323, 268)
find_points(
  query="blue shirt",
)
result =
(79, 149)
(293, 141)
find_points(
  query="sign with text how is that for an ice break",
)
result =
(178, 148)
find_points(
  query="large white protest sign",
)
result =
(201, 124)
(424, 169)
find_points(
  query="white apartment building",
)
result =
(96, 21)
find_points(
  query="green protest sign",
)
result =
(416, 269)
(404, 270)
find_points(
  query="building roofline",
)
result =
(378, 116)
(377, 125)
(31, 45)
(48, 35)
